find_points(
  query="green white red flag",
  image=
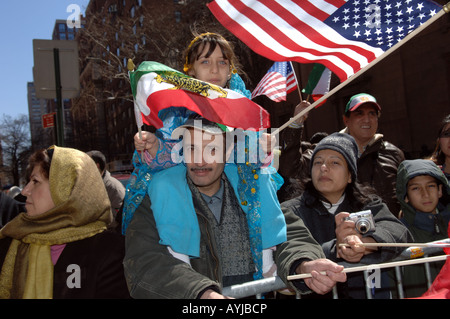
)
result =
(156, 87)
(318, 82)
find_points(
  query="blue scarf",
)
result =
(177, 222)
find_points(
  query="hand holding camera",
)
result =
(363, 221)
(349, 230)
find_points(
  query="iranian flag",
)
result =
(318, 82)
(156, 87)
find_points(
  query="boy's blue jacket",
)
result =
(420, 224)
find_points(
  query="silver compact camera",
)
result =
(363, 221)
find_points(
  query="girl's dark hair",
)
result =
(197, 46)
(42, 159)
(438, 157)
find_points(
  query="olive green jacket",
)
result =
(152, 272)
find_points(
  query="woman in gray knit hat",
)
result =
(325, 205)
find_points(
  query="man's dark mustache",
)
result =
(201, 169)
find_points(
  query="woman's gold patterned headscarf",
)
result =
(82, 209)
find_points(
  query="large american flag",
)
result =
(277, 82)
(343, 35)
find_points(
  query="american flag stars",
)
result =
(380, 23)
(343, 35)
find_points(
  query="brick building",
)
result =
(412, 84)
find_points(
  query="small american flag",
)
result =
(277, 83)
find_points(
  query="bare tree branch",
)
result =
(15, 139)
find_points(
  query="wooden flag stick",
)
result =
(445, 9)
(130, 67)
(378, 266)
(400, 245)
(296, 82)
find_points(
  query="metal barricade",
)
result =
(259, 287)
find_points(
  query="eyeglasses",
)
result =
(445, 134)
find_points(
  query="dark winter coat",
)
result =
(100, 268)
(152, 272)
(9, 208)
(322, 226)
(377, 165)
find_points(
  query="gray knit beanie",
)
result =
(343, 143)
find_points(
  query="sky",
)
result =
(21, 22)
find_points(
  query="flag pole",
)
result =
(296, 81)
(130, 67)
(445, 9)
(419, 245)
(378, 266)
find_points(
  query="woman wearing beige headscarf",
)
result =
(60, 248)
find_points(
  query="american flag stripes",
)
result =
(343, 35)
(277, 82)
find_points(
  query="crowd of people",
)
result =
(189, 229)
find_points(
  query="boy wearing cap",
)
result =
(378, 159)
(420, 184)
